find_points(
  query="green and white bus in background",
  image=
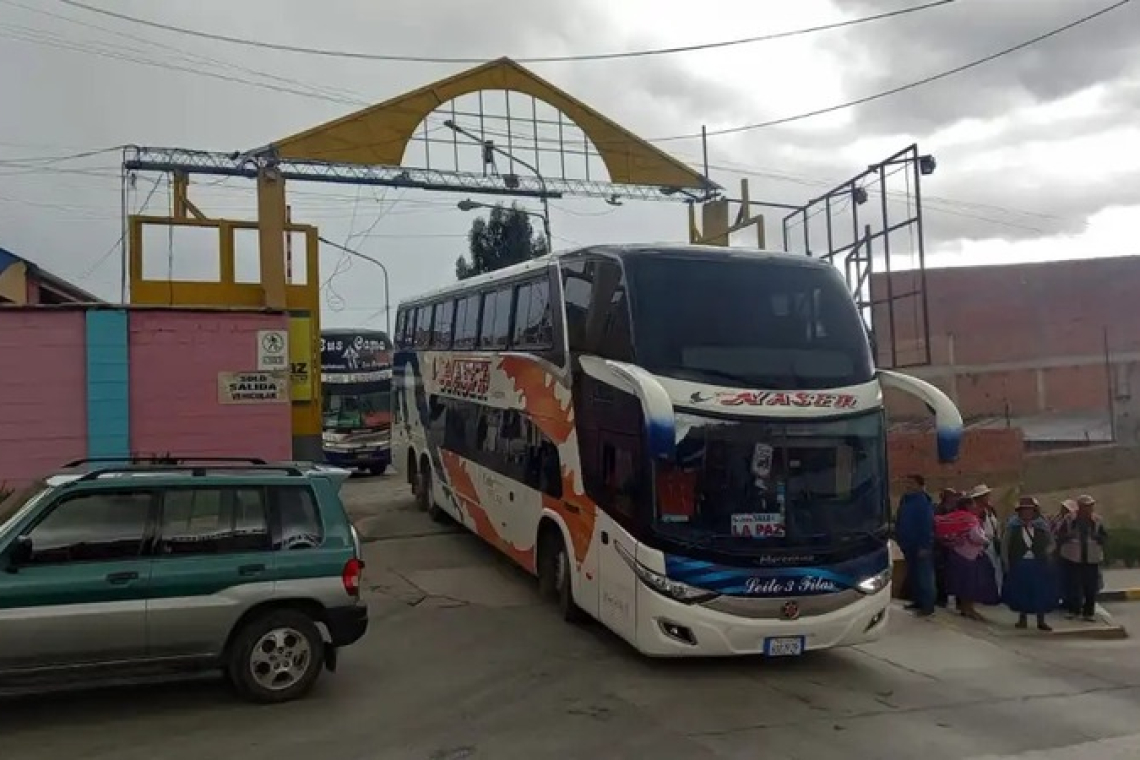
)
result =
(356, 390)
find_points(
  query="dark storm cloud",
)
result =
(910, 47)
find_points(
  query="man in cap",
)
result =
(914, 533)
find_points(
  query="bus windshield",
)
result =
(755, 485)
(746, 322)
(350, 407)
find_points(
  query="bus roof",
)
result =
(619, 251)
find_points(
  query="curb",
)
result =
(1119, 595)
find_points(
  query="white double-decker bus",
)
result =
(686, 443)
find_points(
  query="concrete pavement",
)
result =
(463, 661)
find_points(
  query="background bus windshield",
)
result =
(746, 322)
(761, 484)
(356, 406)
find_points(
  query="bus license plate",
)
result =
(784, 646)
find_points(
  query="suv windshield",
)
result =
(15, 501)
(757, 485)
(753, 322)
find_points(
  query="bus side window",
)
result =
(577, 286)
(442, 323)
(597, 310)
(423, 326)
(534, 326)
(466, 322)
(495, 325)
(401, 320)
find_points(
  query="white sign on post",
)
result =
(272, 350)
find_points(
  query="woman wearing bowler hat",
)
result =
(1030, 583)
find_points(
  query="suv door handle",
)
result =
(251, 569)
(123, 577)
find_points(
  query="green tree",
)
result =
(505, 237)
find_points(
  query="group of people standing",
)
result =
(960, 548)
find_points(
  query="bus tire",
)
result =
(557, 581)
(423, 486)
(424, 498)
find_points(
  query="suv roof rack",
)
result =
(196, 470)
(163, 459)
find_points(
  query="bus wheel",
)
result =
(424, 499)
(559, 582)
(423, 486)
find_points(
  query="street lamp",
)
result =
(469, 205)
(489, 147)
(384, 269)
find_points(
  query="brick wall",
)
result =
(175, 360)
(991, 456)
(43, 412)
(1022, 339)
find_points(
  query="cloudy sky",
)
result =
(1036, 150)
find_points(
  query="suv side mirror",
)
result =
(21, 552)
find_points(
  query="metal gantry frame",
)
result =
(862, 239)
(218, 164)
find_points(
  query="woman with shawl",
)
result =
(991, 526)
(1030, 582)
(969, 574)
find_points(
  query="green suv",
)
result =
(149, 565)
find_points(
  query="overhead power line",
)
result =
(901, 88)
(329, 53)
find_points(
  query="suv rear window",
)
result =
(297, 516)
(214, 521)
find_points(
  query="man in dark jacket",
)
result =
(914, 533)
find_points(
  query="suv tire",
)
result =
(276, 657)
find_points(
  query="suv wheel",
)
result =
(276, 657)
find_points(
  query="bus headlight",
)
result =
(675, 590)
(875, 583)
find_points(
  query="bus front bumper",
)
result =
(667, 628)
(360, 458)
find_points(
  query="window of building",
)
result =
(534, 324)
(495, 326)
(96, 527)
(214, 521)
(466, 322)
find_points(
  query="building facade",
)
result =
(23, 283)
(1052, 348)
(83, 381)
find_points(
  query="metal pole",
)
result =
(124, 257)
(384, 269)
(921, 252)
(1111, 394)
(537, 175)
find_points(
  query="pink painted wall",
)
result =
(43, 392)
(175, 360)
